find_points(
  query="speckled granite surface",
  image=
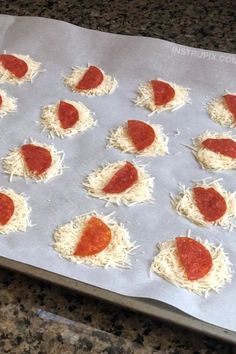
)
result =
(36, 317)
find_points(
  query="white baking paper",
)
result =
(131, 60)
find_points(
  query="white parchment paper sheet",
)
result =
(131, 60)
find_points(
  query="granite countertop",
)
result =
(36, 317)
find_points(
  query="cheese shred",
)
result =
(20, 219)
(185, 205)
(220, 114)
(8, 104)
(14, 165)
(145, 98)
(116, 254)
(140, 192)
(107, 86)
(51, 123)
(119, 139)
(167, 265)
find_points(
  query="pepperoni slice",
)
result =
(210, 203)
(6, 209)
(163, 92)
(123, 179)
(226, 147)
(0, 101)
(230, 101)
(67, 115)
(16, 66)
(96, 236)
(92, 78)
(141, 134)
(37, 158)
(194, 257)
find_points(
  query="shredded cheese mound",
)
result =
(8, 104)
(107, 86)
(145, 98)
(218, 112)
(184, 204)
(20, 219)
(50, 121)
(212, 160)
(34, 68)
(120, 139)
(140, 192)
(14, 165)
(116, 254)
(167, 265)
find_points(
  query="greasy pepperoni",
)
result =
(141, 134)
(16, 66)
(92, 78)
(230, 101)
(37, 158)
(226, 147)
(210, 203)
(194, 257)
(123, 179)
(95, 237)
(0, 101)
(163, 92)
(6, 209)
(67, 115)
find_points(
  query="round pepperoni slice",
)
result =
(210, 203)
(141, 134)
(163, 92)
(67, 115)
(92, 78)
(0, 101)
(122, 180)
(95, 237)
(226, 147)
(194, 257)
(37, 158)
(6, 209)
(16, 66)
(230, 101)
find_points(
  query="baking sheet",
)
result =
(132, 60)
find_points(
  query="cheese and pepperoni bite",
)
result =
(159, 95)
(90, 81)
(140, 138)
(206, 204)
(216, 151)
(33, 160)
(223, 110)
(120, 182)
(66, 118)
(96, 240)
(7, 104)
(17, 68)
(14, 212)
(198, 266)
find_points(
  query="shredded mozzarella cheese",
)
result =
(50, 121)
(185, 205)
(116, 254)
(140, 192)
(14, 165)
(119, 139)
(218, 112)
(167, 265)
(145, 98)
(34, 68)
(107, 86)
(209, 159)
(8, 104)
(20, 219)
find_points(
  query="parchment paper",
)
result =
(131, 60)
